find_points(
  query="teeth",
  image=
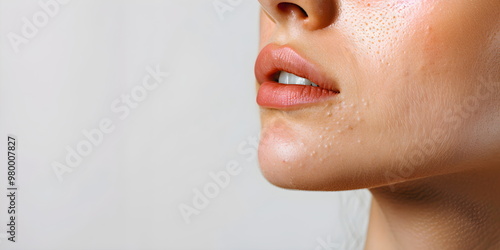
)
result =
(289, 78)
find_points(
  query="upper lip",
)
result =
(274, 58)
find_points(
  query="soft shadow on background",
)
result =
(170, 87)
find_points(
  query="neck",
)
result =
(456, 211)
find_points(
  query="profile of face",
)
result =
(368, 93)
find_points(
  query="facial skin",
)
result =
(416, 119)
(419, 84)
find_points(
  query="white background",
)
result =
(126, 193)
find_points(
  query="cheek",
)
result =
(447, 53)
(376, 28)
(455, 35)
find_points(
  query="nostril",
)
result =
(291, 8)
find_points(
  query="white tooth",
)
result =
(283, 77)
(289, 78)
(293, 79)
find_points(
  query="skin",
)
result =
(417, 119)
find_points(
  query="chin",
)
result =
(290, 158)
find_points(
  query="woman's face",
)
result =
(407, 89)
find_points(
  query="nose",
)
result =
(310, 14)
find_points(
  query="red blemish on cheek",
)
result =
(432, 44)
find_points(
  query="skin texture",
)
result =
(417, 119)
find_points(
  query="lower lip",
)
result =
(280, 96)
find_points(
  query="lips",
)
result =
(274, 59)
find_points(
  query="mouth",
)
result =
(286, 80)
